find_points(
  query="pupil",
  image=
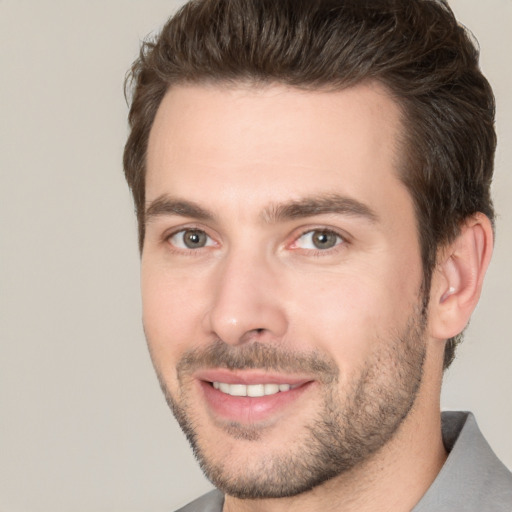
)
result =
(194, 239)
(323, 240)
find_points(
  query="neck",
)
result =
(394, 478)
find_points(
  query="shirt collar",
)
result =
(472, 478)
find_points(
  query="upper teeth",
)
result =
(253, 390)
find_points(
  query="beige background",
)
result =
(83, 426)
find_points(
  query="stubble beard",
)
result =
(345, 432)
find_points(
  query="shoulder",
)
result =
(472, 479)
(212, 501)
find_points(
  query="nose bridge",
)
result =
(245, 300)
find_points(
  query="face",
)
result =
(281, 278)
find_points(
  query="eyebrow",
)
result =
(319, 205)
(273, 213)
(165, 205)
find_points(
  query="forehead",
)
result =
(249, 145)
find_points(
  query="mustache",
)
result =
(256, 355)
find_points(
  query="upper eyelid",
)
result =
(328, 229)
(176, 233)
(292, 238)
(340, 246)
(170, 232)
(175, 246)
(321, 228)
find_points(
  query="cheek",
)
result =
(339, 315)
(349, 315)
(171, 314)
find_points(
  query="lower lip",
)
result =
(249, 410)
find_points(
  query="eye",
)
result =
(318, 239)
(190, 239)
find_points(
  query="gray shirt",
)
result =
(471, 480)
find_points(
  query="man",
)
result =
(311, 180)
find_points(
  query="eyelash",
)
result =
(340, 243)
(342, 240)
(184, 250)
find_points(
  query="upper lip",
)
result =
(249, 377)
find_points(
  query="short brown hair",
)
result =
(415, 48)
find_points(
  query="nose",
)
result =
(246, 304)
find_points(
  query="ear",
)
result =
(458, 277)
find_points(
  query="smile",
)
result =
(250, 397)
(251, 390)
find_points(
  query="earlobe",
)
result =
(458, 278)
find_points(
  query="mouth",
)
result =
(250, 396)
(252, 390)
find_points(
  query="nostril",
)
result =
(253, 335)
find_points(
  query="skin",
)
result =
(241, 156)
